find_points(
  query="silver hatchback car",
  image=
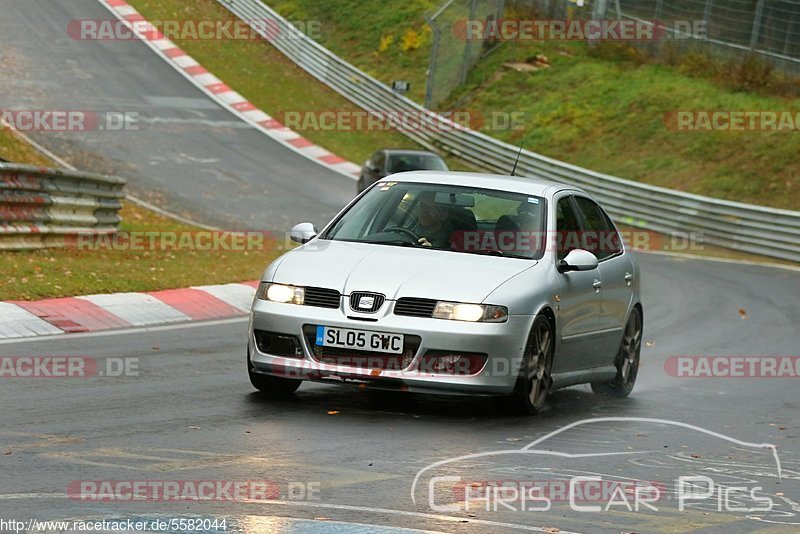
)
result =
(458, 283)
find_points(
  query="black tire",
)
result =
(535, 381)
(271, 384)
(627, 360)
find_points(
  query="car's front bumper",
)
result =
(502, 342)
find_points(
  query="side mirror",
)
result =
(303, 233)
(578, 260)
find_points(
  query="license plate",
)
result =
(359, 340)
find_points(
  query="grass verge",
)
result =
(12, 148)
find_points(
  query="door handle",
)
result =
(597, 284)
(628, 278)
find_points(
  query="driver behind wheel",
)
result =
(433, 225)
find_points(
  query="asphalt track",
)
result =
(190, 414)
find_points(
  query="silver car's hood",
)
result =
(397, 271)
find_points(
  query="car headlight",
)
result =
(473, 313)
(281, 293)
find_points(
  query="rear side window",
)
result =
(599, 236)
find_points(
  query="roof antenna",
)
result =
(516, 161)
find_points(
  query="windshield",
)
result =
(415, 162)
(446, 217)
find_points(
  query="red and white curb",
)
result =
(20, 319)
(226, 97)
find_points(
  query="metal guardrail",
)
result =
(41, 207)
(745, 227)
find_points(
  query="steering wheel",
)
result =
(405, 231)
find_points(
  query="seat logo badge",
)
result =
(366, 302)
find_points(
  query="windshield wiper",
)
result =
(397, 243)
(487, 252)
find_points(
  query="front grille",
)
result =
(278, 344)
(363, 360)
(322, 298)
(414, 307)
(355, 300)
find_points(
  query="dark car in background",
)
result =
(389, 161)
